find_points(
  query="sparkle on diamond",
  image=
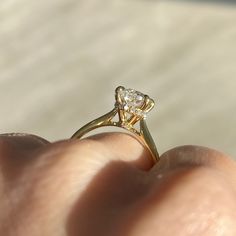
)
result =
(132, 101)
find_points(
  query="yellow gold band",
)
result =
(131, 107)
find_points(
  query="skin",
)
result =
(106, 185)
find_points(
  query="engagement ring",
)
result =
(132, 107)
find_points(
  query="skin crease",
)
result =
(107, 185)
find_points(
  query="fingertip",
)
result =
(24, 140)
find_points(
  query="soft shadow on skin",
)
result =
(100, 207)
(17, 153)
(115, 199)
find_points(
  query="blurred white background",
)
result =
(61, 60)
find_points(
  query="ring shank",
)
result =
(143, 135)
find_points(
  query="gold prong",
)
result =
(122, 116)
(133, 119)
(119, 89)
(146, 102)
(150, 105)
(121, 113)
(118, 98)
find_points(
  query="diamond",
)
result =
(132, 102)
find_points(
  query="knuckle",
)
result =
(194, 201)
(194, 156)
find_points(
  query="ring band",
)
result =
(131, 107)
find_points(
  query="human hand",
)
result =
(106, 186)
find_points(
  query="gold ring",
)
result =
(131, 107)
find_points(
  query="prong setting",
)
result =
(131, 106)
(136, 104)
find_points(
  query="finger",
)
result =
(125, 147)
(90, 156)
(98, 149)
(64, 170)
(23, 141)
(16, 153)
(54, 185)
(192, 193)
(193, 156)
(21, 153)
(17, 146)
